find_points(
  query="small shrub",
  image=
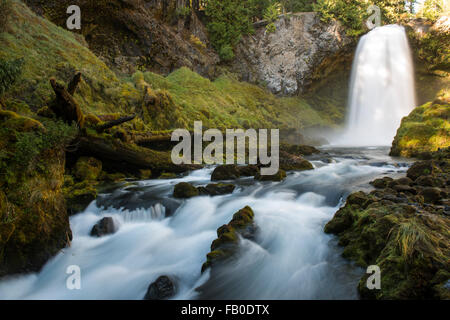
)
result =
(226, 53)
(197, 42)
(271, 15)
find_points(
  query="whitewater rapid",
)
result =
(291, 257)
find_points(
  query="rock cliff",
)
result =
(302, 50)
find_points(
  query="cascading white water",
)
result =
(382, 88)
(290, 259)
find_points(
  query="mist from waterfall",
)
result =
(382, 88)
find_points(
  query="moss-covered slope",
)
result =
(425, 130)
(34, 224)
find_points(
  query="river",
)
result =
(291, 257)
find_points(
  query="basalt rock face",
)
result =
(159, 34)
(301, 51)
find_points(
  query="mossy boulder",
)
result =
(167, 175)
(299, 150)
(217, 189)
(226, 172)
(423, 168)
(289, 162)
(88, 168)
(80, 195)
(277, 177)
(185, 190)
(227, 242)
(381, 183)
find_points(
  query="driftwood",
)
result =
(64, 106)
(114, 123)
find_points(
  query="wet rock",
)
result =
(430, 181)
(405, 181)
(341, 222)
(226, 244)
(248, 171)
(359, 199)
(381, 183)
(105, 226)
(185, 190)
(422, 168)
(299, 150)
(405, 188)
(279, 176)
(290, 162)
(431, 195)
(217, 189)
(226, 172)
(163, 288)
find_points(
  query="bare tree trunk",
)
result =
(65, 106)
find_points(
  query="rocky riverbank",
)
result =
(402, 227)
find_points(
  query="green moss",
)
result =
(185, 190)
(226, 244)
(409, 248)
(425, 130)
(87, 168)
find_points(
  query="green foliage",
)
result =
(434, 49)
(9, 73)
(351, 13)
(298, 5)
(432, 9)
(226, 53)
(228, 21)
(30, 144)
(271, 15)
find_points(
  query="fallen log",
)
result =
(125, 157)
(114, 123)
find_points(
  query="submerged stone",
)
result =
(163, 288)
(105, 226)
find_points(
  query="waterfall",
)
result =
(382, 88)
